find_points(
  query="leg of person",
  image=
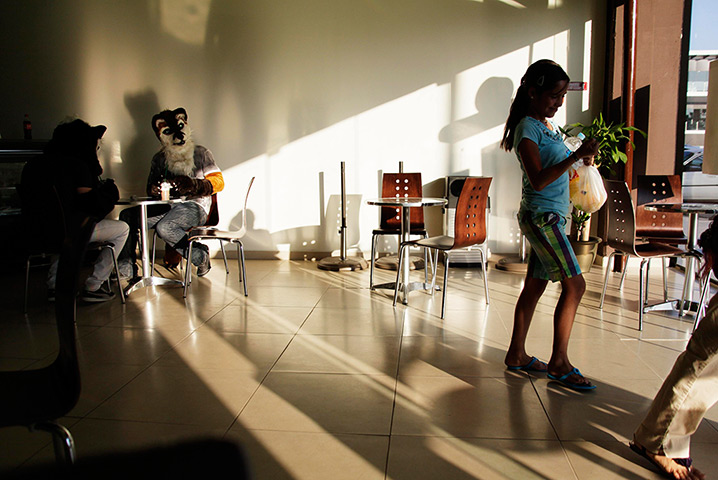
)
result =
(172, 228)
(688, 391)
(572, 290)
(115, 232)
(546, 233)
(127, 258)
(516, 356)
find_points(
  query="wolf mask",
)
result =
(175, 134)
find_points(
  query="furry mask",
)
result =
(174, 133)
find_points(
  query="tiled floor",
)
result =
(319, 378)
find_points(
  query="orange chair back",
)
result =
(470, 221)
(401, 185)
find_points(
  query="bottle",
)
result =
(27, 127)
(572, 143)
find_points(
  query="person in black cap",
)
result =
(71, 168)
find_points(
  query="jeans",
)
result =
(686, 394)
(172, 228)
(113, 231)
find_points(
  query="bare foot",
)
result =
(668, 466)
(526, 363)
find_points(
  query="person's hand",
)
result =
(588, 149)
(184, 185)
(155, 190)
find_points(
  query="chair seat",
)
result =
(202, 232)
(658, 250)
(441, 242)
(396, 231)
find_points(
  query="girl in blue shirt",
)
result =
(545, 206)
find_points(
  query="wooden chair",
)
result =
(232, 236)
(659, 227)
(622, 238)
(469, 229)
(405, 185)
(37, 398)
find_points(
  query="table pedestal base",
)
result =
(141, 282)
(410, 287)
(336, 264)
(391, 262)
(688, 306)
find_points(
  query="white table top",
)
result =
(683, 207)
(147, 200)
(407, 201)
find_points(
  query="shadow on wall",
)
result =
(136, 158)
(493, 100)
(323, 238)
(255, 240)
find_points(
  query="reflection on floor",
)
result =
(320, 378)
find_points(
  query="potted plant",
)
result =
(611, 137)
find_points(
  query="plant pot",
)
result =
(585, 251)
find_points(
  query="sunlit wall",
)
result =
(286, 90)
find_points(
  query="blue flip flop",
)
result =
(563, 379)
(529, 367)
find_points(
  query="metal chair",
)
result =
(37, 398)
(212, 221)
(232, 236)
(405, 185)
(39, 246)
(469, 229)
(622, 238)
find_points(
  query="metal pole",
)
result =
(343, 226)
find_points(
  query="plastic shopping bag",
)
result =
(586, 188)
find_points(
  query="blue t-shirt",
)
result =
(554, 197)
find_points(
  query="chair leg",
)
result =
(117, 271)
(426, 264)
(240, 256)
(398, 273)
(665, 280)
(484, 273)
(154, 244)
(642, 291)
(27, 283)
(705, 288)
(605, 280)
(224, 256)
(62, 441)
(623, 274)
(446, 275)
(187, 270)
(371, 268)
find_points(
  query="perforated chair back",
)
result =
(401, 185)
(659, 189)
(621, 230)
(470, 222)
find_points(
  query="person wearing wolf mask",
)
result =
(192, 172)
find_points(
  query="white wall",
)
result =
(285, 90)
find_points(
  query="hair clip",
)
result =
(539, 81)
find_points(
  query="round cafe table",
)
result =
(146, 279)
(406, 203)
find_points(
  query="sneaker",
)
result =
(96, 296)
(50, 294)
(127, 270)
(204, 268)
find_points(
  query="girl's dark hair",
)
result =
(542, 75)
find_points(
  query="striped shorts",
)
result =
(551, 256)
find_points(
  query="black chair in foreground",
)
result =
(469, 229)
(37, 398)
